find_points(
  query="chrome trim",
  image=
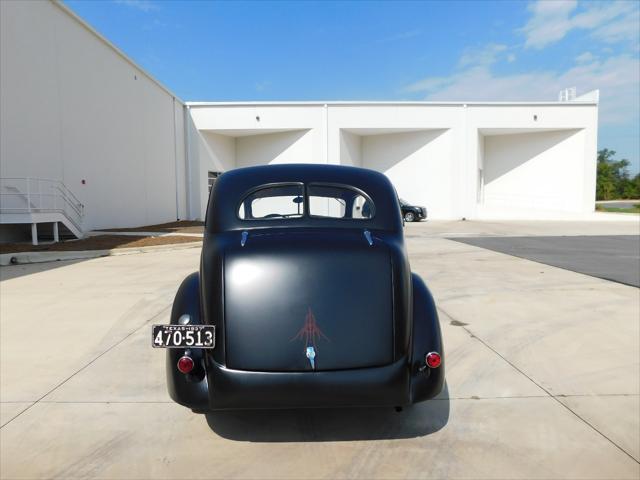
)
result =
(311, 355)
(243, 239)
(367, 235)
(184, 319)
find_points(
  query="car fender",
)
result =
(189, 390)
(426, 382)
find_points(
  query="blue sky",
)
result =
(235, 51)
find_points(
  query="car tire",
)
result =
(409, 217)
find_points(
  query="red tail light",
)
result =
(185, 364)
(433, 360)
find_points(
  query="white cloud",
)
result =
(598, 14)
(585, 57)
(610, 22)
(549, 23)
(626, 28)
(478, 84)
(486, 55)
(617, 78)
(428, 84)
(142, 5)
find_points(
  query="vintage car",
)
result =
(304, 298)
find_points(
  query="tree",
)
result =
(613, 179)
(632, 188)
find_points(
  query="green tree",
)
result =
(613, 179)
(631, 188)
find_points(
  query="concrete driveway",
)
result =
(612, 257)
(543, 373)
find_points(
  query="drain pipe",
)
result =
(175, 157)
(326, 133)
(187, 158)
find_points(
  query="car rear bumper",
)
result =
(388, 385)
(227, 389)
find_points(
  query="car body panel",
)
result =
(327, 291)
(276, 287)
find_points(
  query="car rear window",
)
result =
(333, 201)
(282, 201)
(288, 201)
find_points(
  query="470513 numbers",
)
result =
(183, 336)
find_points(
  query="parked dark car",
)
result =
(304, 298)
(411, 213)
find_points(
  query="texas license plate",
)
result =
(183, 336)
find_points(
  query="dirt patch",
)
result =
(457, 323)
(182, 226)
(100, 242)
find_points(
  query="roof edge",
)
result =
(389, 103)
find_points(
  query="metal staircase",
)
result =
(38, 200)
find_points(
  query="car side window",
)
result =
(281, 201)
(331, 201)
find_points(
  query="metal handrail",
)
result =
(45, 180)
(76, 205)
(40, 195)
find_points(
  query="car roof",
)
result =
(231, 187)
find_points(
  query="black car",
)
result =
(411, 213)
(304, 298)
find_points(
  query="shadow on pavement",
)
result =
(8, 272)
(610, 257)
(332, 424)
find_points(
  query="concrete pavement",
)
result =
(612, 257)
(628, 225)
(543, 369)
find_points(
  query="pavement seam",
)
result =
(146, 323)
(543, 389)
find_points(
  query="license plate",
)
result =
(183, 336)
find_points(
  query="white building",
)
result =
(473, 160)
(79, 114)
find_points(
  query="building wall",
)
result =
(294, 146)
(534, 171)
(242, 136)
(350, 149)
(458, 160)
(564, 135)
(73, 109)
(418, 163)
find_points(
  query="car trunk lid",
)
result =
(295, 295)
